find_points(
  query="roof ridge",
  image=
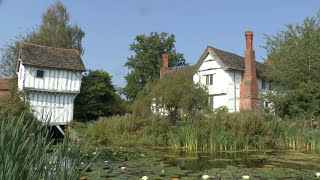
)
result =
(50, 47)
(225, 51)
(231, 53)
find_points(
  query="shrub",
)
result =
(14, 105)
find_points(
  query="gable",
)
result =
(228, 61)
(209, 63)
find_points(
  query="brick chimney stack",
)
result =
(249, 94)
(164, 68)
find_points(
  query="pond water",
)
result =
(162, 163)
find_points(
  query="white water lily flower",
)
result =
(82, 163)
(94, 153)
(144, 177)
(318, 174)
(123, 168)
(205, 176)
(245, 177)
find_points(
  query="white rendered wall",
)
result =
(20, 74)
(51, 97)
(54, 80)
(226, 84)
(56, 107)
(220, 85)
(233, 94)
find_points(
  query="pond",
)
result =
(161, 163)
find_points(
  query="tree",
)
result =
(295, 57)
(9, 59)
(146, 61)
(54, 31)
(179, 91)
(97, 97)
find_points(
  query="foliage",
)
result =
(28, 153)
(129, 130)
(146, 62)
(54, 31)
(97, 97)
(141, 107)
(294, 53)
(220, 131)
(9, 59)
(179, 91)
(14, 105)
(81, 128)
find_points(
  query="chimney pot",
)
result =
(249, 39)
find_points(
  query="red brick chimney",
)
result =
(249, 94)
(164, 68)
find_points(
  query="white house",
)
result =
(232, 80)
(51, 78)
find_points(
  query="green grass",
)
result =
(81, 128)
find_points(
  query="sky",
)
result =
(111, 26)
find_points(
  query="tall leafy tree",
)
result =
(146, 62)
(179, 91)
(295, 57)
(54, 31)
(97, 97)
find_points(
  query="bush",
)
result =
(130, 130)
(14, 105)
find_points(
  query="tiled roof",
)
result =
(229, 60)
(5, 83)
(176, 71)
(50, 57)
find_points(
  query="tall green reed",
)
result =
(27, 152)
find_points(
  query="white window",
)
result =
(209, 79)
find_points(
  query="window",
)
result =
(211, 102)
(263, 84)
(209, 79)
(40, 73)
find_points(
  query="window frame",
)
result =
(209, 79)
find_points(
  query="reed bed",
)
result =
(219, 131)
(27, 152)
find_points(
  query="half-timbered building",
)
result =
(51, 79)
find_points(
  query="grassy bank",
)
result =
(218, 131)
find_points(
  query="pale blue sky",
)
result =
(110, 26)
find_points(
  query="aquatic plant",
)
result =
(28, 152)
(221, 131)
